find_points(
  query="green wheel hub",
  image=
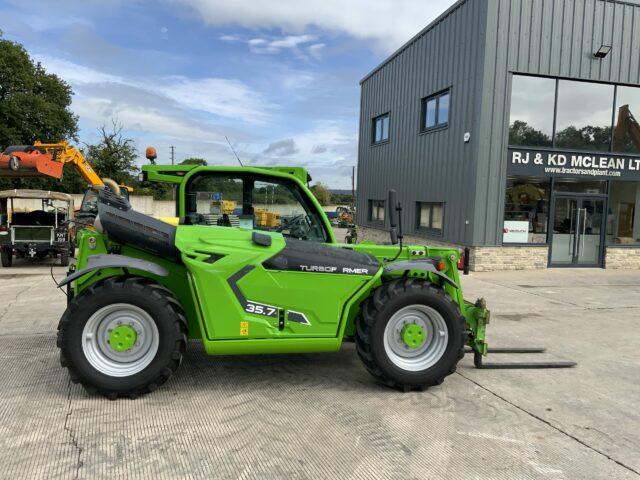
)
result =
(413, 335)
(122, 338)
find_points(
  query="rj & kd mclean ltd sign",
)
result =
(546, 163)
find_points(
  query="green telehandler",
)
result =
(252, 266)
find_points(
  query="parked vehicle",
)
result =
(37, 233)
(271, 279)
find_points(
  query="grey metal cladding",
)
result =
(543, 37)
(473, 48)
(436, 166)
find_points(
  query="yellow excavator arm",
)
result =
(49, 160)
(626, 127)
(64, 153)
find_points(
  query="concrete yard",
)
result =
(322, 416)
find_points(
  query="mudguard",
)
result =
(418, 264)
(98, 262)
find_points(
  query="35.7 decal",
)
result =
(261, 309)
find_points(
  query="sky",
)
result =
(278, 78)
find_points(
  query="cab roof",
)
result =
(175, 173)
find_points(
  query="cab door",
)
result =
(257, 253)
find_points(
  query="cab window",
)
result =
(247, 201)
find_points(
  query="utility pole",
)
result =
(353, 186)
(173, 157)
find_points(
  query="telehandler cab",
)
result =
(253, 267)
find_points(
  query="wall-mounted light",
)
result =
(603, 51)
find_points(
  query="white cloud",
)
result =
(74, 73)
(281, 148)
(389, 23)
(229, 38)
(315, 50)
(142, 119)
(292, 41)
(219, 96)
(330, 162)
(184, 112)
(228, 98)
(277, 45)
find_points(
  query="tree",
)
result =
(34, 104)
(521, 133)
(322, 193)
(114, 156)
(585, 138)
(341, 198)
(194, 161)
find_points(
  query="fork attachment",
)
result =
(477, 359)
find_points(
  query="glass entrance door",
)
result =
(577, 231)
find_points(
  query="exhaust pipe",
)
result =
(113, 186)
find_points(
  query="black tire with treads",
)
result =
(375, 313)
(158, 301)
(7, 257)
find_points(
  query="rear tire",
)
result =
(148, 310)
(64, 258)
(381, 341)
(6, 256)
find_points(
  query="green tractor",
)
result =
(253, 267)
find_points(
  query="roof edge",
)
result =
(413, 39)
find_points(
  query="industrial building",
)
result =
(508, 126)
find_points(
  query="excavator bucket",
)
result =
(29, 161)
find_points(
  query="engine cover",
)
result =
(127, 226)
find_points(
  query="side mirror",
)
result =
(393, 216)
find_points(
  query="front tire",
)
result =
(410, 334)
(122, 337)
(6, 256)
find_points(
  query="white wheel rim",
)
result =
(98, 351)
(435, 343)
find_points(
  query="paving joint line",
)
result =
(549, 424)
(71, 433)
(16, 297)
(520, 290)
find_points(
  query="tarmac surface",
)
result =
(323, 416)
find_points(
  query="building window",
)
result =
(623, 217)
(583, 115)
(435, 111)
(381, 129)
(532, 105)
(376, 210)
(626, 133)
(583, 120)
(526, 210)
(430, 217)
